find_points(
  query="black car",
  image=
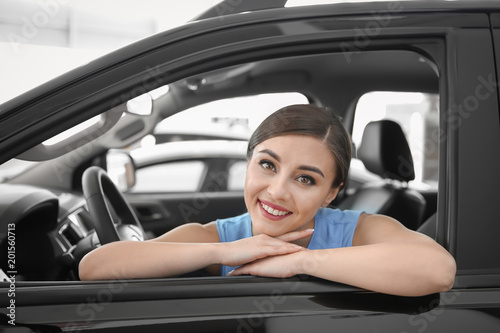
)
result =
(428, 68)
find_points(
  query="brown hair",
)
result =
(308, 119)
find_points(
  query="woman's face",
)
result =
(288, 178)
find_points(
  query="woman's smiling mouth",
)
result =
(272, 211)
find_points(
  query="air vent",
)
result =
(71, 234)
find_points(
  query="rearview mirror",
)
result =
(141, 105)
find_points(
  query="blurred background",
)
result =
(41, 39)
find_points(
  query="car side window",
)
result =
(418, 115)
(184, 176)
(225, 119)
(236, 176)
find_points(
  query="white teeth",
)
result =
(274, 212)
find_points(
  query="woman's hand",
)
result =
(281, 266)
(261, 246)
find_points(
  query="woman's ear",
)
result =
(331, 195)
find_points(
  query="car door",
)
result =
(460, 48)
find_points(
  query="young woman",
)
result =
(298, 161)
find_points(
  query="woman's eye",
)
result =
(306, 180)
(267, 165)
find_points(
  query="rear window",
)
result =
(418, 115)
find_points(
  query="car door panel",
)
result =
(247, 304)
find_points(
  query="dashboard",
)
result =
(50, 230)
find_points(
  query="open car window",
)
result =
(191, 166)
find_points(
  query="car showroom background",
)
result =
(41, 39)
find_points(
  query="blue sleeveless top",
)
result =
(333, 228)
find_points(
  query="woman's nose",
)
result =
(278, 188)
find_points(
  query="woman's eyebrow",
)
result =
(302, 167)
(312, 169)
(271, 153)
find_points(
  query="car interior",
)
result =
(384, 146)
(56, 226)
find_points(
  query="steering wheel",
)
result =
(113, 217)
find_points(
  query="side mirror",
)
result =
(121, 169)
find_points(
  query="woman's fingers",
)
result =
(294, 235)
(277, 249)
(261, 246)
(272, 246)
(273, 266)
(257, 247)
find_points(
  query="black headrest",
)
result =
(385, 151)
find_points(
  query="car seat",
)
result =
(384, 151)
(429, 227)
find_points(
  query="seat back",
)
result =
(429, 227)
(384, 151)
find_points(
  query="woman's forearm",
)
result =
(152, 259)
(129, 259)
(409, 269)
